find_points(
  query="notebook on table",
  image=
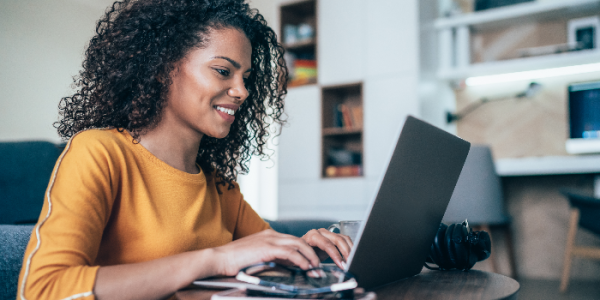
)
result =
(407, 209)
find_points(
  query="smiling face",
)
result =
(208, 85)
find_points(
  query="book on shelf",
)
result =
(305, 63)
(303, 71)
(343, 171)
(348, 116)
(357, 115)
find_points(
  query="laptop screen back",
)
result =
(408, 208)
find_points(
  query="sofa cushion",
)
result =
(25, 169)
(13, 240)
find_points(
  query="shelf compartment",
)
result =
(342, 156)
(342, 138)
(300, 45)
(336, 99)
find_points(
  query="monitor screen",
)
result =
(584, 110)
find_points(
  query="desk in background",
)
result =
(551, 165)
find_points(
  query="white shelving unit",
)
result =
(454, 38)
(354, 46)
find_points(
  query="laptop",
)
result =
(405, 214)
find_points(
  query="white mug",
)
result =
(349, 228)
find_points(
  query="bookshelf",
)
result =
(342, 130)
(299, 38)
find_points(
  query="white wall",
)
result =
(260, 185)
(41, 49)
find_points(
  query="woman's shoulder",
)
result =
(104, 140)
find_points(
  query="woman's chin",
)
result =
(219, 135)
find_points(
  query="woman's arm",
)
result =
(160, 278)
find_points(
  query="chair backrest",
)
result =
(589, 209)
(25, 169)
(478, 193)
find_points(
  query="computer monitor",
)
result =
(584, 118)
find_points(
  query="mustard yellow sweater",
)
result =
(110, 201)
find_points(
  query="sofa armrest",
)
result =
(13, 241)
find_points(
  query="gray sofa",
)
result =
(25, 169)
(13, 239)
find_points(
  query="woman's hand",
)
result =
(267, 245)
(327, 243)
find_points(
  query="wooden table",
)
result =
(432, 285)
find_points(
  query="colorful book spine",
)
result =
(346, 114)
(357, 116)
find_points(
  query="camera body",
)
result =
(458, 247)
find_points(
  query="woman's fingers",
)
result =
(300, 246)
(266, 246)
(293, 256)
(337, 246)
(343, 242)
(348, 241)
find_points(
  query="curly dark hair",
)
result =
(125, 78)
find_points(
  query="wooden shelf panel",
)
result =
(333, 131)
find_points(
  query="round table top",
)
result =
(431, 285)
(455, 284)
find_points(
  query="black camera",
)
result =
(458, 247)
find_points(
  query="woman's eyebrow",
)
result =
(233, 62)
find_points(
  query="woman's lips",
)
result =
(227, 117)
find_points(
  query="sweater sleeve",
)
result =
(59, 259)
(247, 221)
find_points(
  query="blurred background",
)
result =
(515, 76)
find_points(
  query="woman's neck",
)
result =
(176, 148)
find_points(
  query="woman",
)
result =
(174, 97)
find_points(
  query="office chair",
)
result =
(478, 197)
(585, 213)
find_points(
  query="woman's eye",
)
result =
(223, 72)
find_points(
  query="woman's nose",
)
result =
(238, 91)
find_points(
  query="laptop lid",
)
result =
(406, 212)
